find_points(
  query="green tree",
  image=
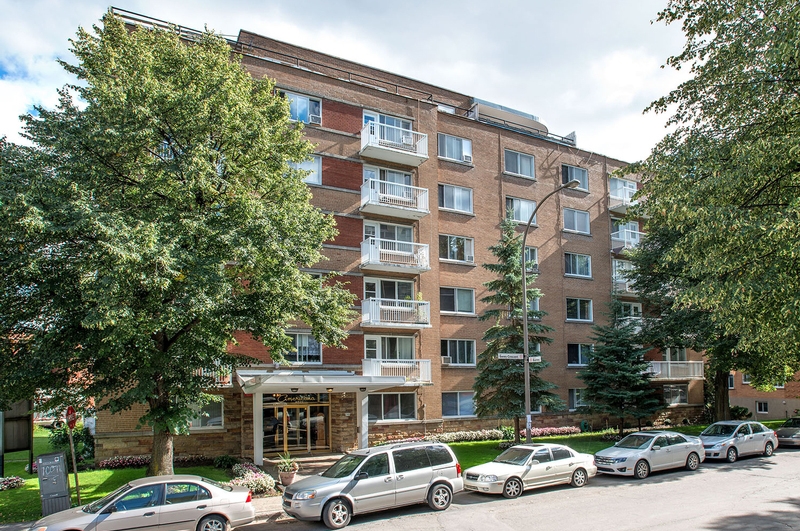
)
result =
(500, 384)
(617, 382)
(726, 179)
(148, 222)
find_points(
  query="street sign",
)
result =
(510, 356)
(534, 359)
(72, 417)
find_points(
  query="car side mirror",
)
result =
(656, 447)
(534, 462)
(110, 509)
(361, 475)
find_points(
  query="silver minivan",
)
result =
(374, 479)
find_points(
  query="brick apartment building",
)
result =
(419, 179)
(783, 402)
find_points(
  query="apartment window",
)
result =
(455, 198)
(621, 188)
(313, 166)
(676, 394)
(460, 351)
(579, 309)
(307, 349)
(578, 353)
(388, 348)
(392, 406)
(396, 181)
(621, 270)
(208, 416)
(778, 386)
(576, 220)
(519, 164)
(531, 259)
(576, 398)
(745, 378)
(397, 290)
(577, 265)
(520, 210)
(572, 173)
(673, 353)
(731, 380)
(633, 310)
(627, 232)
(457, 248)
(388, 231)
(458, 404)
(762, 407)
(304, 109)
(457, 300)
(455, 148)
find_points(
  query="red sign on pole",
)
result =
(72, 417)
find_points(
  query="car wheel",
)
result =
(768, 449)
(512, 488)
(692, 462)
(213, 523)
(439, 497)
(732, 455)
(641, 470)
(579, 478)
(336, 514)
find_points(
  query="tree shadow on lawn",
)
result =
(782, 518)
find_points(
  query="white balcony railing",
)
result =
(628, 238)
(395, 144)
(676, 370)
(393, 255)
(416, 372)
(395, 313)
(392, 199)
(222, 377)
(622, 285)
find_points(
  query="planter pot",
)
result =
(286, 477)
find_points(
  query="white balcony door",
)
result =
(628, 232)
(396, 184)
(388, 289)
(395, 238)
(396, 130)
(389, 348)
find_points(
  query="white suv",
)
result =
(373, 479)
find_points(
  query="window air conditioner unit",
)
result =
(447, 360)
(408, 139)
(470, 258)
(467, 158)
(314, 119)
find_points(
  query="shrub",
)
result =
(508, 432)
(551, 432)
(225, 461)
(124, 461)
(35, 468)
(11, 482)
(258, 483)
(740, 413)
(242, 469)
(81, 437)
(192, 460)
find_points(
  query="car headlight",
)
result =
(796, 436)
(487, 478)
(619, 460)
(305, 495)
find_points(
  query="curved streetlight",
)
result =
(572, 184)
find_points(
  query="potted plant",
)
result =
(287, 468)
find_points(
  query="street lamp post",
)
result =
(572, 184)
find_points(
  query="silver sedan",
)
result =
(730, 439)
(789, 432)
(640, 453)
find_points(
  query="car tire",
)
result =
(692, 462)
(512, 488)
(641, 470)
(213, 523)
(732, 454)
(336, 514)
(440, 496)
(579, 478)
(768, 449)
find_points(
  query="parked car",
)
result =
(643, 452)
(178, 503)
(789, 432)
(525, 467)
(729, 439)
(374, 479)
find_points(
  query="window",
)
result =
(396, 290)
(520, 210)
(208, 416)
(409, 459)
(519, 164)
(377, 465)
(576, 398)
(579, 309)
(578, 265)
(458, 300)
(730, 381)
(622, 269)
(626, 232)
(633, 310)
(745, 378)
(460, 351)
(673, 353)
(185, 492)
(778, 386)
(675, 439)
(621, 188)
(542, 455)
(532, 259)
(576, 220)
(392, 406)
(148, 496)
(307, 349)
(457, 248)
(455, 148)
(304, 109)
(313, 166)
(455, 198)
(559, 452)
(571, 173)
(396, 181)
(578, 353)
(676, 394)
(387, 231)
(389, 348)
(458, 404)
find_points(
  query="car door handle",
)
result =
(399, 477)
(572, 464)
(151, 513)
(548, 468)
(202, 506)
(387, 480)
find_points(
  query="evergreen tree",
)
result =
(500, 385)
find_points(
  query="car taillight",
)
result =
(458, 468)
(249, 497)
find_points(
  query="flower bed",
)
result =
(139, 461)
(250, 476)
(11, 482)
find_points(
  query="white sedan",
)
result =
(640, 453)
(526, 467)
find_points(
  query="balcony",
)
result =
(222, 377)
(623, 286)
(416, 372)
(393, 313)
(396, 200)
(393, 255)
(625, 239)
(676, 370)
(393, 144)
(619, 204)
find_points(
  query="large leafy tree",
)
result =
(726, 180)
(500, 384)
(154, 215)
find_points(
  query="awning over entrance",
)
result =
(277, 381)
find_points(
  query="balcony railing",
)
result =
(676, 370)
(622, 285)
(392, 199)
(627, 238)
(394, 144)
(393, 255)
(222, 378)
(416, 372)
(620, 203)
(393, 313)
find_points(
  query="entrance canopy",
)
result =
(280, 381)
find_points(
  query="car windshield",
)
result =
(791, 423)
(344, 466)
(719, 430)
(95, 506)
(634, 441)
(514, 456)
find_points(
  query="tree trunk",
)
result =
(161, 459)
(722, 406)
(516, 429)
(622, 427)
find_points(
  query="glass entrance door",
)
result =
(296, 428)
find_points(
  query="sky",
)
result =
(584, 65)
